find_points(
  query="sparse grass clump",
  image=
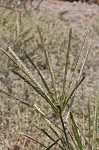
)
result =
(62, 135)
(49, 87)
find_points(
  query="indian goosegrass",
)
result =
(66, 139)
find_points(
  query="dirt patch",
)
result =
(75, 12)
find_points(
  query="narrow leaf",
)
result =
(52, 144)
(65, 133)
(73, 91)
(75, 132)
(29, 137)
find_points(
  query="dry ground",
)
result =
(55, 19)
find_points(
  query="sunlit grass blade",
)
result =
(48, 63)
(76, 133)
(29, 137)
(54, 127)
(66, 65)
(41, 76)
(22, 66)
(49, 123)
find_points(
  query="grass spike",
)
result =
(48, 63)
(80, 54)
(66, 65)
(25, 70)
(84, 62)
(21, 65)
(41, 76)
(83, 46)
(39, 91)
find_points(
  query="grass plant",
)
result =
(65, 137)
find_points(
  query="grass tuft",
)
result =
(62, 136)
